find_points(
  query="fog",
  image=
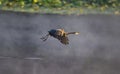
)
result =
(95, 50)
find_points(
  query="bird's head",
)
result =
(76, 33)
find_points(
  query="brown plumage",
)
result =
(59, 34)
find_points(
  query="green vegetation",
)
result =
(62, 6)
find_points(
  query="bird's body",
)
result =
(52, 32)
(59, 34)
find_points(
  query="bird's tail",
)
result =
(76, 33)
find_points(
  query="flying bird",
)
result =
(59, 34)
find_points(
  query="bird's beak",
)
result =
(76, 33)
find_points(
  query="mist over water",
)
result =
(95, 51)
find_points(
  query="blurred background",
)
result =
(95, 51)
(63, 6)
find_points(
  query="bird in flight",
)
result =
(59, 34)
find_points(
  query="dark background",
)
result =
(95, 51)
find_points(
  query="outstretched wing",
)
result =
(63, 39)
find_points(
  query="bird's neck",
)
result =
(71, 33)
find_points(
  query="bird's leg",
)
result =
(45, 38)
